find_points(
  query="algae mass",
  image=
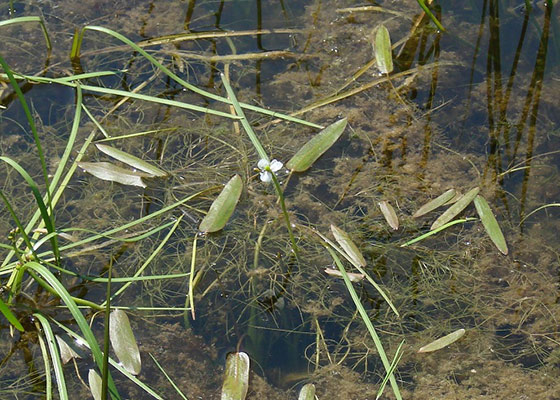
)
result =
(462, 109)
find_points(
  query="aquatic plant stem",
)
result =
(284, 211)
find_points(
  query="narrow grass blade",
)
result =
(315, 147)
(169, 378)
(435, 203)
(424, 7)
(433, 232)
(4, 309)
(490, 224)
(55, 356)
(443, 341)
(223, 206)
(455, 209)
(369, 325)
(123, 341)
(131, 160)
(94, 381)
(348, 246)
(110, 172)
(76, 314)
(383, 52)
(236, 382)
(21, 20)
(307, 392)
(390, 215)
(396, 359)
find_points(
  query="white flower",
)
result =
(267, 168)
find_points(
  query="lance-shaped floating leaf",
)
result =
(95, 384)
(382, 49)
(222, 208)
(307, 392)
(348, 246)
(110, 172)
(315, 148)
(435, 203)
(354, 277)
(490, 224)
(390, 215)
(123, 341)
(455, 209)
(236, 382)
(131, 160)
(443, 341)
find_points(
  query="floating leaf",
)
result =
(354, 277)
(110, 172)
(315, 147)
(435, 203)
(236, 382)
(456, 208)
(95, 384)
(490, 224)
(66, 351)
(222, 208)
(443, 341)
(307, 392)
(4, 309)
(131, 160)
(348, 246)
(383, 52)
(389, 214)
(123, 341)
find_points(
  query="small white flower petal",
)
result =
(263, 164)
(276, 165)
(266, 176)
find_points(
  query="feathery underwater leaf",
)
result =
(443, 341)
(236, 382)
(315, 147)
(123, 341)
(435, 203)
(490, 224)
(455, 209)
(131, 160)
(223, 206)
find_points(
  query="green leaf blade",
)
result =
(383, 52)
(236, 382)
(131, 160)
(443, 341)
(315, 147)
(435, 203)
(490, 224)
(4, 309)
(307, 392)
(348, 246)
(110, 172)
(455, 209)
(123, 341)
(223, 206)
(390, 215)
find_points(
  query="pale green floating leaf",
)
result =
(383, 52)
(315, 147)
(131, 160)
(66, 351)
(455, 209)
(123, 341)
(389, 213)
(490, 224)
(354, 277)
(95, 384)
(435, 203)
(222, 208)
(443, 341)
(236, 381)
(348, 246)
(307, 392)
(110, 172)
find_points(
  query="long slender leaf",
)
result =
(348, 245)
(223, 206)
(456, 208)
(4, 309)
(21, 20)
(435, 203)
(131, 160)
(490, 224)
(443, 341)
(110, 172)
(315, 147)
(433, 232)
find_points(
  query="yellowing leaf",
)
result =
(348, 246)
(110, 172)
(383, 52)
(131, 160)
(223, 206)
(443, 341)
(389, 214)
(307, 392)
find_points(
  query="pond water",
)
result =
(475, 105)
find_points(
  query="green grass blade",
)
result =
(424, 7)
(47, 364)
(169, 378)
(433, 232)
(348, 246)
(490, 224)
(396, 359)
(223, 206)
(456, 208)
(131, 160)
(19, 225)
(22, 20)
(4, 309)
(55, 356)
(76, 314)
(382, 49)
(367, 322)
(315, 147)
